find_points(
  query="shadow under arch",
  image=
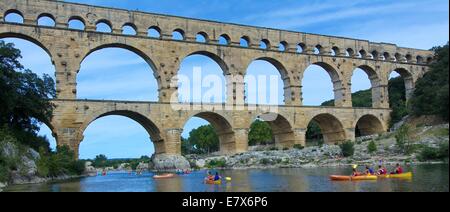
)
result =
(281, 129)
(369, 125)
(27, 38)
(331, 128)
(223, 128)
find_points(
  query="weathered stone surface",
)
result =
(164, 122)
(165, 162)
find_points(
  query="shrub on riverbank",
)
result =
(434, 154)
(58, 163)
(221, 163)
(347, 148)
(372, 147)
(404, 139)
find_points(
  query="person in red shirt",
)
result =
(398, 169)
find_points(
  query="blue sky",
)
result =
(122, 75)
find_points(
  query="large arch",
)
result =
(223, 128)
(283, 90)
(408, 79)
(281, 128)
(213, 83)
(336, 83)
(27, 38)
(368, 125)
(212, 56)
(138, 120)
(136, 58)
(331, 128)
(374, 79)
(152, 129)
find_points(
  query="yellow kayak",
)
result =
(407, 175)
(212, 182)
(350, 178)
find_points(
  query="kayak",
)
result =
(164, 176)
(212, 182)
(407, 175)
(350, 178)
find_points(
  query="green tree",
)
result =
(260, 133)
(404, 139)
(372, 147)
(100, 161)
(23, 98)
(204, 139)
(347, 148)
(431, 91)
(397, 99)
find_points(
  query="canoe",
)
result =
(350, 178)
(212, 182)
(407, 175)
(164, 176)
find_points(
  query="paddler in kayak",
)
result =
(355, 173)
(217, 177)
(381, 170)
(398, 169)
(369, 171)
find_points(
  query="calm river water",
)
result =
(426, 178)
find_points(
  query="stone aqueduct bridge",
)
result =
(338, 56)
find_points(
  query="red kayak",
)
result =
(164, 176)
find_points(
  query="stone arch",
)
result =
(130, 25)
(265, 44)
(285, 75)
(202, 37)
(407, 77)
(129, 48)
(336, 50)
(152, 129)
(77, 18)
(336, 80)
(332, 129)
(47, 15)
(156, 29)
(283, 46)
(375, 81)
(281, 128)
(301, 47)
(226, 39)
(369, 125)
(27, 38)
(13, 11)
(104, 21)
(216, 58)
(223, 127)
(181, 33)
(245, 41)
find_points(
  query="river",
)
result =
(426, 178)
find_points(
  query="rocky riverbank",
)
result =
(20, 166)
(387, 151)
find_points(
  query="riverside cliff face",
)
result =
(329, 155)
(19, 165)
